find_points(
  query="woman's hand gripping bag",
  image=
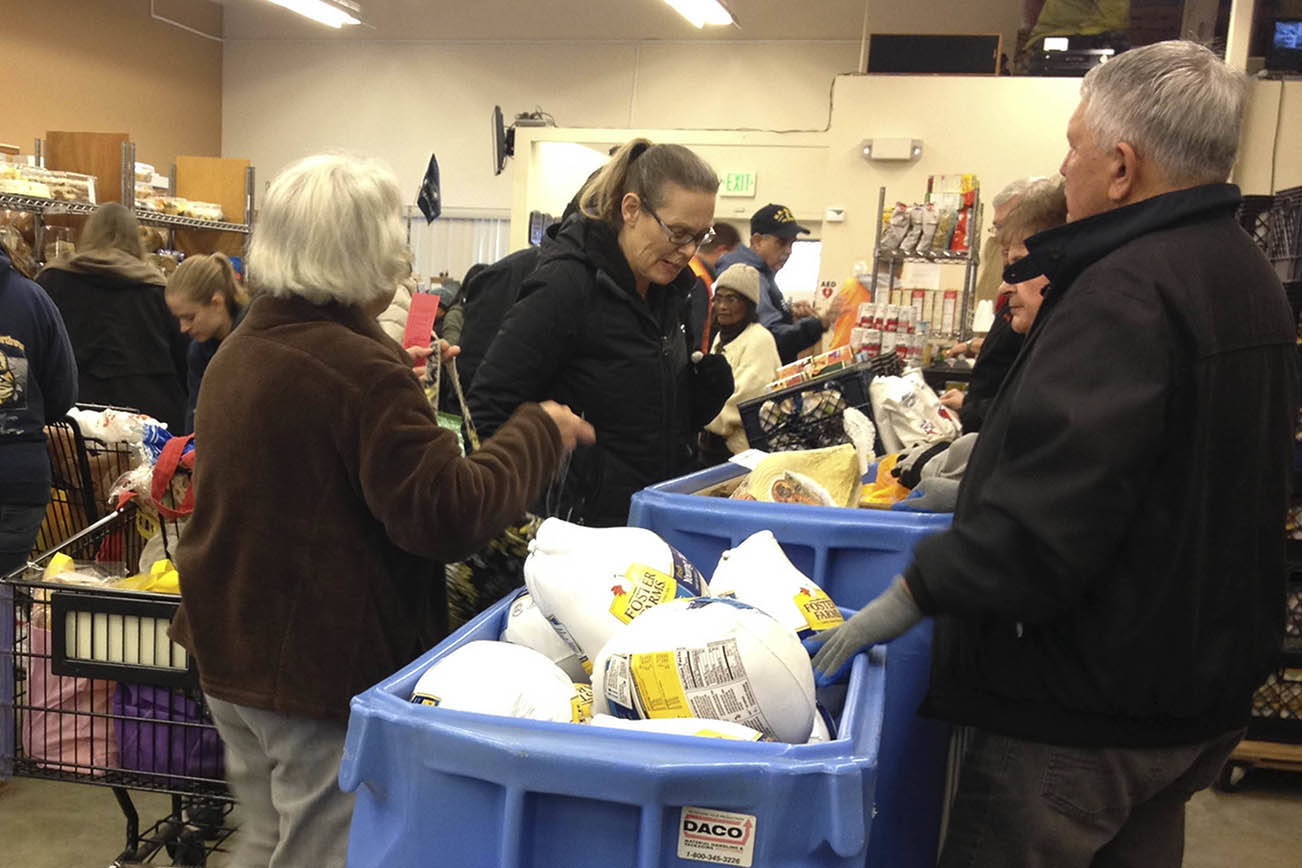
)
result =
(589, 582)
(500, 678)
(758, 574)
(709, 658)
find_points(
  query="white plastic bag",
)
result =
(710, 658)
(758, 574)
(526, 625)
(682, 726)
(499, 678)
(909, 412)
(589, 582)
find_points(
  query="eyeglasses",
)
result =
(680, 238)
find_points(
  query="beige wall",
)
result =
(399, 101)
(109, 67)
(1272, 138)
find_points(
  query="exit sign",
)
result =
(740, 184)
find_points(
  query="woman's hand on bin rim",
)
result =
(574, 430)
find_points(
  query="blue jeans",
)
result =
(1021, 804)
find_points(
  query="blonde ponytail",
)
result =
(642, 167)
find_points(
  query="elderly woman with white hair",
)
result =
(326, 495)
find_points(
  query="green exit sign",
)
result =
(741, 184)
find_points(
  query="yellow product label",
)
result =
(710, 733)
(641, 588)
(425, 699)
(581, 703)
(659, 685)
(146, 524)
(817, 607)
(586, 664)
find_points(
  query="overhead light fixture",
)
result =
(326, 13)
(702, 12)
(1056, 43)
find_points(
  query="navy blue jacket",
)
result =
(197, 357)
(1115, 573)
(792, 335)
(38, 385)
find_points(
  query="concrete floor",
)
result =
(57, 825)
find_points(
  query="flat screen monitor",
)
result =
(1286, 46)
(942, 53)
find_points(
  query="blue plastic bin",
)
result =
(853, 554)
(441, 787)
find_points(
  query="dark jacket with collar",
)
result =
(1115, 572)
(130, 350)
(792, 335)
(197, 358)
(581, 335)
(324, 492)
(38, 383)
(998, 351)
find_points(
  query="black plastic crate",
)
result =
(1254, 215)
(1285, 249)
(838, 390)
(1277, 707)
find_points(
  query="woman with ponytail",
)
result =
(601, 326)
(207, 299)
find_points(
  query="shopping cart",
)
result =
(93, 691)
(83, 470)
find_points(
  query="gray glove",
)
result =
(931, 495)
(952, 463)
(886, 617)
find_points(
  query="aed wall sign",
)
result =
(718, 837)
(738, 183)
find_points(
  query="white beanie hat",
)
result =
(742, 279)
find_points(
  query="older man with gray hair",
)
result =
(1111, 591)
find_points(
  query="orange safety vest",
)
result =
(699, 269)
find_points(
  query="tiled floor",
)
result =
(58, 825)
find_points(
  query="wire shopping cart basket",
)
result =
(92, 690)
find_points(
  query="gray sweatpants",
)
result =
(284, 772)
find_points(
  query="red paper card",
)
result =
(420, 321)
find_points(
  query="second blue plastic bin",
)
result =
(853, 554)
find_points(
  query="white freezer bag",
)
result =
(758, 573)
(589, 582)
(526, 625)
(682, 726)
(709, 658)
(499, 678)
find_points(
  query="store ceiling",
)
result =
(535, 20)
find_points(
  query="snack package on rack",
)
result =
(897, 228)
(914, 235)
(930, 222)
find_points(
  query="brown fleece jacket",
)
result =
(325, 495)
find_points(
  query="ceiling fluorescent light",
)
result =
(702, 12)
(319, 10)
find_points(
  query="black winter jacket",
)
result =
(581, 335)
(130, 350)
(489, 295)
(1115, 572)
(998, 351)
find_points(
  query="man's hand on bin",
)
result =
(886, 617)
